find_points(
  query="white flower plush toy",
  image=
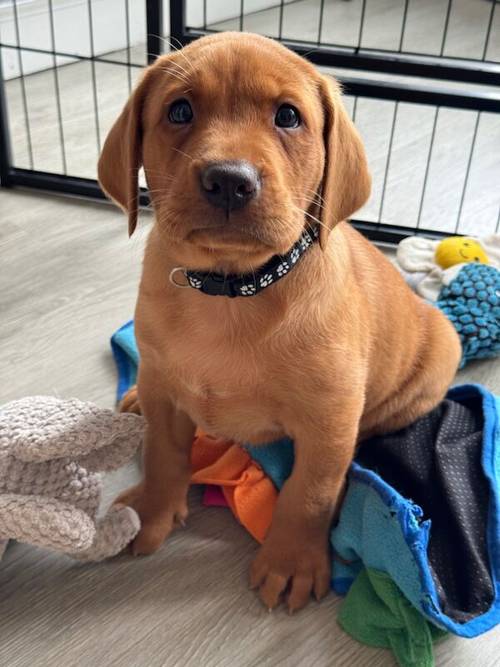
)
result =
(429, 264)
(461, 276)
(52, 452)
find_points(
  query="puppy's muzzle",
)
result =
(230, 185)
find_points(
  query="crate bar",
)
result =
(57, 89)
(446, 26)
(467, 172)
(427, 166)
(86, 187)
(361, 25)
(73, 56)
(154, 27)
(320, 22)
(403, 26)
(354, 109)
(388, 160)
(242, 14)
(94, 76)
(413, 94)
(23, 85)
(476, 71)
(372, 60)
(5, 145)
(488, 30)
(178, 21)
(71, 185)
(127, 37)
(280, 27)
(393, 234)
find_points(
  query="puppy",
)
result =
(245, 145)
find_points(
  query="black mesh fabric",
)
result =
(436, 463)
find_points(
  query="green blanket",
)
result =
(375, 612)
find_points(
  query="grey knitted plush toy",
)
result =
(51, 454)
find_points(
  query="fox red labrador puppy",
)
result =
(290, 323)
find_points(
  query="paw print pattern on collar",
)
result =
(249, 285)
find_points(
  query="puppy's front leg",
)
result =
(296, 553)
(161, 498)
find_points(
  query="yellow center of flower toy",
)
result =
(459, 250)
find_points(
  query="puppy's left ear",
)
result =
(346, 181)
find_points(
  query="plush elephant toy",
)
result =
(52, 452)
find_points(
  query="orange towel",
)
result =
(249, 493)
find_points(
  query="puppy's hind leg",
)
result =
(433, 374)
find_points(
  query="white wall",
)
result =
(71, 27)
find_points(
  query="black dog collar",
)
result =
(250, 284)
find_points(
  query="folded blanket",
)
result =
(250, 494)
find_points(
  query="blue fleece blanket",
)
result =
(381, 529)
(444, 558)
(126, 357)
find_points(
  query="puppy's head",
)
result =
(243, 144)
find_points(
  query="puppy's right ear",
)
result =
(121, 156)
(346, 179)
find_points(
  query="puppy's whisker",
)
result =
(179, 66)
(318, 222)
(177, 150)
(163, 172)
(168, 182)
(176, 49)
(164, 178)
(179, 72)
(316, 197)
(312, 201)
(315, 200)
(176, 75)
(315, 194)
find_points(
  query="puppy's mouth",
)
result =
(229, 237)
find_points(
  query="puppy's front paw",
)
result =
(158, 517)
(302, 568)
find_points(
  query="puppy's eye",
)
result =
(287, 116)
(180, 112)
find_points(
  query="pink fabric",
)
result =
(213, 496)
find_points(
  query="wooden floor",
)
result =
(68, 279)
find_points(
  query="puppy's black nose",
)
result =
(230, 184)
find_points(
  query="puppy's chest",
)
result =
(225, 392)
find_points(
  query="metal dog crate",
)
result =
(419, 78)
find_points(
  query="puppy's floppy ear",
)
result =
(346, 181)
(121, 156)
